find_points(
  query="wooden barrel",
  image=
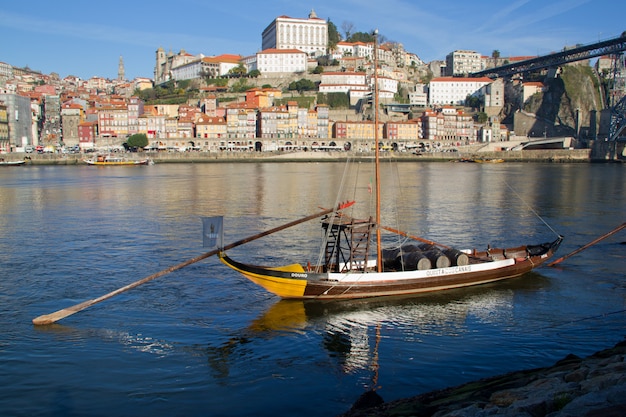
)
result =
(457, 258)
(438, 258)
(415, 261)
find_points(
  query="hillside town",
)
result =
(433, 106)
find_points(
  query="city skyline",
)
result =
(87, 39)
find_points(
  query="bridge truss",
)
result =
(613, 47)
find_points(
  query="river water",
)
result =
(204, 341)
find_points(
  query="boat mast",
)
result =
(379, 258)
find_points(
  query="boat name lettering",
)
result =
(448, 271)
(298, 275)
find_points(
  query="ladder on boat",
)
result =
(347, 244)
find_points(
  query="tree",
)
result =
(238, 71)
(318, 70)
(138, 140)
(255, 73)
(302, 85)
(333, 35)
(347, 28)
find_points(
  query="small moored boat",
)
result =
(104, 160)
(11, 163)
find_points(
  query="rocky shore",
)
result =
(573, 387)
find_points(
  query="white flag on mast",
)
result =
(213, 231)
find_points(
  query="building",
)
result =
(419, 97)
(209, 66)
(19, 120)
(166, 62)
(309, 35)
(454, 90)
(71, 117)
(281, 60)
(462, 62)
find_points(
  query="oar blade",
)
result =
(63, 313)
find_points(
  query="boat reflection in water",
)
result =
(350, 330)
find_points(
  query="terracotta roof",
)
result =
(281, 51)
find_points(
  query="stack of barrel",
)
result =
(411, 257)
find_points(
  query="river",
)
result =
(205, 341)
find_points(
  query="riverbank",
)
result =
(572, 387)
(548, 155)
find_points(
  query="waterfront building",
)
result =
(51, 132)
(309, 35)
(135, 109)
(5, 145)
(211, 128)
(323, 122)
(403, 130)
(153, 125)
(113, 121)
(87, 134)
(71, 117)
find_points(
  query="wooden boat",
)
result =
(489, 160)
(350, 271)
(113, 160)
(11, 163)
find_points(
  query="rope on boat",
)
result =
(532, 209)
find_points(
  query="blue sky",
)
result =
(86, 38)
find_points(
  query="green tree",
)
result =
(302, 85)
(318, 70)
(238, 71)
(240, 86)
(138, 140)
(333, 35)
(255, 73)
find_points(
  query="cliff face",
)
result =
(575, 90)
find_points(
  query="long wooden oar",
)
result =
(593, 242)
(58, 315)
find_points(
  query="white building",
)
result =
(454, 90)
(419, 97)
(462, 62)
(308, 35)
(281, 60)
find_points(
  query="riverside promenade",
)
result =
(550, 155)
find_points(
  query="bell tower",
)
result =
(120, 69)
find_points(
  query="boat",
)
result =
(114, 160)
(11, 163)
(354, 265)
(489, 160)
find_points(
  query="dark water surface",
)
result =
(203, 341)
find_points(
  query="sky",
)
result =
(87, 38)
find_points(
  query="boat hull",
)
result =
(115, 163)
(12, 163)
(297, 283)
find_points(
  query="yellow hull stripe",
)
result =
(283, 287)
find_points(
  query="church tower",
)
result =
(120, 70)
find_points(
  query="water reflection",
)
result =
(348, 329)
